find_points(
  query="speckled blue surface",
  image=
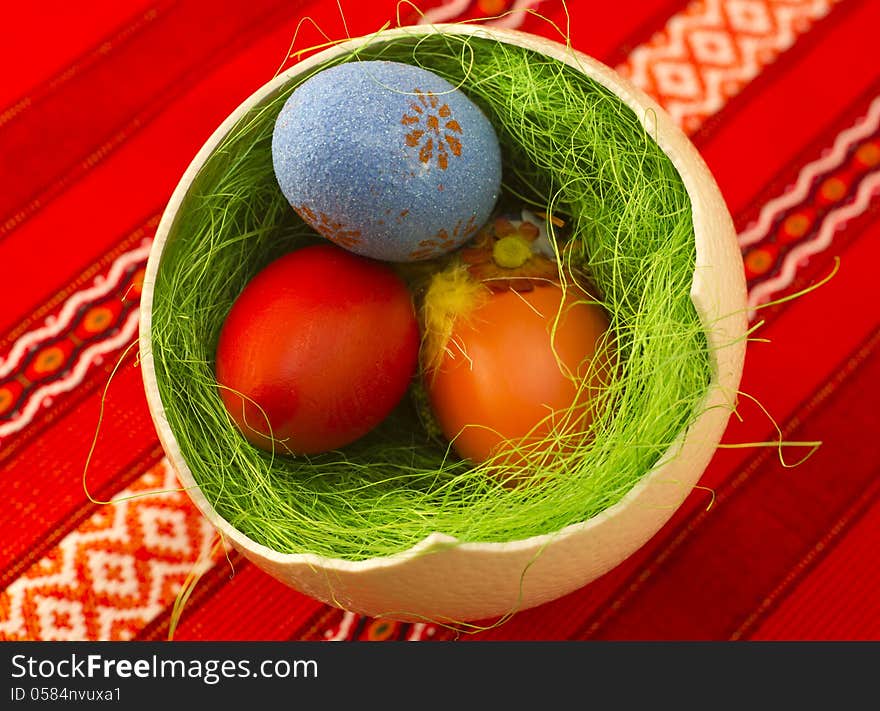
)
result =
(359, 157)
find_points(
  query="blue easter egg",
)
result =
(387, 160)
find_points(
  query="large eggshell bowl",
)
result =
(442, 579)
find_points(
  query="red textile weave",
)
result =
(108, 102)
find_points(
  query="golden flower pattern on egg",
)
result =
(434, 131)
(333, 230)
(444, 241)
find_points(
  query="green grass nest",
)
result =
(570, 148)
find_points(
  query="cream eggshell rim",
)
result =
(724, 308)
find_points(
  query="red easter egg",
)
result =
(317, 350)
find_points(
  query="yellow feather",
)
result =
(452, 294)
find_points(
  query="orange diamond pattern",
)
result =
(114, 573)
(708, 52)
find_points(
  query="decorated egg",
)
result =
(316, 350)
(387, 160)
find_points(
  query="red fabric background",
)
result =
(107, 103)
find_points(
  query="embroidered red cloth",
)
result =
(104, 104)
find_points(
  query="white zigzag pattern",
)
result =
(92, 355)
(789, 21)
(60, 591)
(834, 158)
(103, 285)
(799, 254)
(88, 357)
